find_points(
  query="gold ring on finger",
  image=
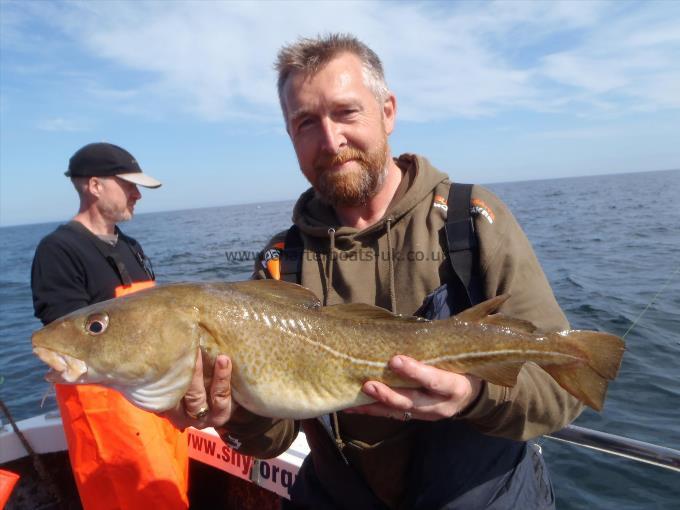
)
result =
(200, 414)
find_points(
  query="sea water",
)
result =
(610, 246)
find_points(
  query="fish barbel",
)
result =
(293, 358)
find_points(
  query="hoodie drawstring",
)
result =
(393, 295)
(329, 266)
(339, 442)
(329, 281)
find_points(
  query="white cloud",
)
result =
(60, 124)
(629, 59)
(214, 59)
(593, 75)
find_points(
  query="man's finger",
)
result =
(193, 401)
(428, 377)
(396, 399)
(221, 405)
(196, 399)
(377, 409)
(220, 389)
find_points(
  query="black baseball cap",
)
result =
(106, 160)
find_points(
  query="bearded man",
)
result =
(371, 229)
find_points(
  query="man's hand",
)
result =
(198, 410)
(441, 394)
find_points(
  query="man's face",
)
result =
(116, 198)
(339, 131)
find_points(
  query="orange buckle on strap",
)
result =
(123, 290)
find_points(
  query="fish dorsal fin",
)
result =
(484, 313)
(278, 291)
(482, 310)
(504, 321)
(362, 311)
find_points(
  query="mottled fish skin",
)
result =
(293, 358)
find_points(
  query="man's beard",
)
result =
(115, 214)
(351, 187)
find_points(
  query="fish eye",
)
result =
(96, 323)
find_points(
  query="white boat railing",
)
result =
(45, 434)
(640, 451)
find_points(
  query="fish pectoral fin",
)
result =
(279, 291)
(357, 311)
(482, 310)
(502, 374)
(164, 393)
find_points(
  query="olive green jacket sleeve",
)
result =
(255, 435)
(252, 434)
(536, 405)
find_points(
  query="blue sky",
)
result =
(488, 91)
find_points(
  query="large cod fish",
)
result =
(293, 358)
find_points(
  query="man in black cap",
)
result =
(85, 260)
(118, 452)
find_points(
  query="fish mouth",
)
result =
(64, 368)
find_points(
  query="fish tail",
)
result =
(588, 381)
(603, 351)
(581, 381)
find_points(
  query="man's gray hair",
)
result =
(309, 55)
(80, 184)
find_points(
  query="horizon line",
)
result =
(236, 204)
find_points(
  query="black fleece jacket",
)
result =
(70, 270)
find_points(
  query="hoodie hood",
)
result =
(344, 264)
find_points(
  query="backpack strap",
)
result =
(139, 254)
(291, 256)
(113, 258)
(461, 241)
